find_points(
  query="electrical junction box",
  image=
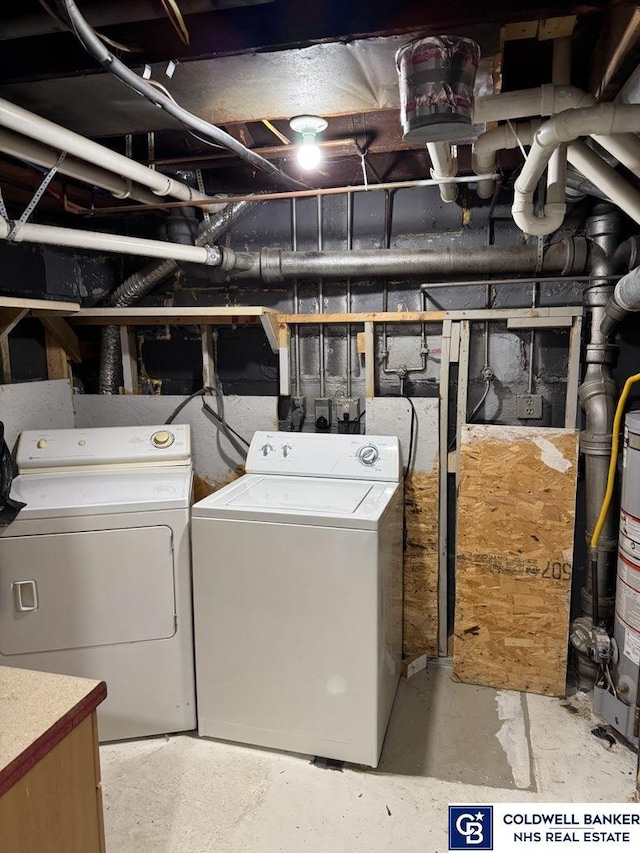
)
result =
(529, 407)
(322, 413)
(348, 409)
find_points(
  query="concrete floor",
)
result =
(447, 743)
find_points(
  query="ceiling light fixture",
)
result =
(308, 127)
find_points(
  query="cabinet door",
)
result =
(74, 590)
(56, 807)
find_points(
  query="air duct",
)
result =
(142, 282)
(437, 76)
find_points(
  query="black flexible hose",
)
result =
(103, 55)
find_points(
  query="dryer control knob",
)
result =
(42, 444)
(162, 438)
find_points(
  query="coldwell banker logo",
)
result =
(470, 827)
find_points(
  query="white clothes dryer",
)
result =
(297, 571)
(95, 571)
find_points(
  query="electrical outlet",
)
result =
(322, 413)
(348, 407)
(529, 407)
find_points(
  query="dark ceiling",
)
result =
(49, 72)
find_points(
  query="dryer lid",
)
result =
(102, 492)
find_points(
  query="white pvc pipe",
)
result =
(28, 124)
(542, 101)
(605, 178)
(487, 145)
(443, 165)
(98, 241)
(31, 151)
(603, 119)
(624, 147)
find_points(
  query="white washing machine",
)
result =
(95, 571)
(297, 572)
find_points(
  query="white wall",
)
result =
(214, 457)
(35, 405)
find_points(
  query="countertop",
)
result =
(37, 710)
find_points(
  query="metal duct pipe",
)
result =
(130, 291)
(597, 395)
(276, 265)
(142, 282)
(29, 124)
(624, 299)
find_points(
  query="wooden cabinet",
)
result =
(50, 795)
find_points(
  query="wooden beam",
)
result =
(432, 316)
(369, 360)
(210, 315)
(443, 562)
(38, 306)
(129, 347)
(240, 131)
(5, 359)
(284, 358)
(59, 330)
(9, 319)
(573, 374)
(271, 328)
(57, 363)
(617, 49)
(208, 361)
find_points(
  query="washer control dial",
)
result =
(369, 454)
(42, 444)
(266, 449)
(162, 438)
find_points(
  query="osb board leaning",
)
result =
(515, 531)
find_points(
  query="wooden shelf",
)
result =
(39, 306)
(239, 315)
(60, 340)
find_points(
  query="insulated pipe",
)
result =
(111, 63)
(565, 127)
(30, 151)
(29, 124)
(443, 165)
(612, 184)
(276, 265)
(121, 244)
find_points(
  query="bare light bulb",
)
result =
(309, 155)
(308, 126)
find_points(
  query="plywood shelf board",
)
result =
(516, 513)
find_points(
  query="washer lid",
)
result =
(299, 500)
(98, 492)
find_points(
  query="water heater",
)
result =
(619, 702)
